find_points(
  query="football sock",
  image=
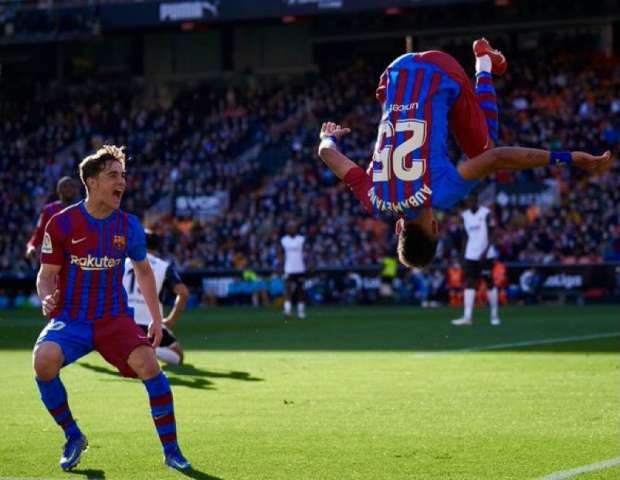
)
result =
(492, 295)
(301, 309)
(487, 99)
(54, 397)
(162, 410)
(483, 64)
(287, 307)
(168, 355)
(470, 297)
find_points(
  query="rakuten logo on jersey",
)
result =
(95, 263)
(403, 108)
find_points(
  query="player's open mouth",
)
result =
(118, 193)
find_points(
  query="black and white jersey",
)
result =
(166, 278)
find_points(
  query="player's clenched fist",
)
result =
(49, 303)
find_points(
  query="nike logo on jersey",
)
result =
(74, 241)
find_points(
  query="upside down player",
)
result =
(80, 285)
(422, 96)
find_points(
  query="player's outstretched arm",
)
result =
(337, 162)
(146, 281)
(518, 158)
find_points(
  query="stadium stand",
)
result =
(258, 145)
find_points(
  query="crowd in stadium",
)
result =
(258, 144)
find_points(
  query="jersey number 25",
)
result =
(385, 155)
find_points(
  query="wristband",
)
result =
(328, 141)
(557, 158)
(329, 137)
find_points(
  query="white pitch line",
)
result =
(612, 462)
(526, 343)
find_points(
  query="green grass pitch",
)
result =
(349, 393)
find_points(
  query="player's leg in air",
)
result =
(474, 116)
(488, 62)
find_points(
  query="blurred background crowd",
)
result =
(257, 144)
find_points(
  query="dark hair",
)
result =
(94, 164)
(416, 248)
(153, 241)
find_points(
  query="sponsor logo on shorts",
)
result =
(46, 247)
(95, 263)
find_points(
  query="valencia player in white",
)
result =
(166, 278)
(294, 270)
(480, 254)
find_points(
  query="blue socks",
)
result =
(54, 397)
(488, 102)
(162, 410)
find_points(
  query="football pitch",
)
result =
(348, 393)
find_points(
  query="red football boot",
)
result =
(498, 61)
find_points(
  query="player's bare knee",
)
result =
(47, 360)
(143, 361)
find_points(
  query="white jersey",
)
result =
(293, 254)
(476, 226)
(141, 313)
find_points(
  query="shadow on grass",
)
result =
(184, 375)
(89, 473)
(191, 370)
(198, 475)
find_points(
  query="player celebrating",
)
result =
(166, 279)
(422, 95)
(479, 255)
(80, 285)
(294, 271)
(68, 191)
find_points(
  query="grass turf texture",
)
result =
(349, 393)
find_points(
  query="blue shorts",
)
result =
(74, 338)
(114, 338)
(449, 188)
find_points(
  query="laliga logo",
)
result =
(95, 263)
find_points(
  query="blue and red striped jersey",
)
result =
(410, 167)
(92, 255)
(48, 211)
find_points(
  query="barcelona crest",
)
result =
(119, 242)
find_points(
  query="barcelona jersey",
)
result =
(92, 255)
(410, 168)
